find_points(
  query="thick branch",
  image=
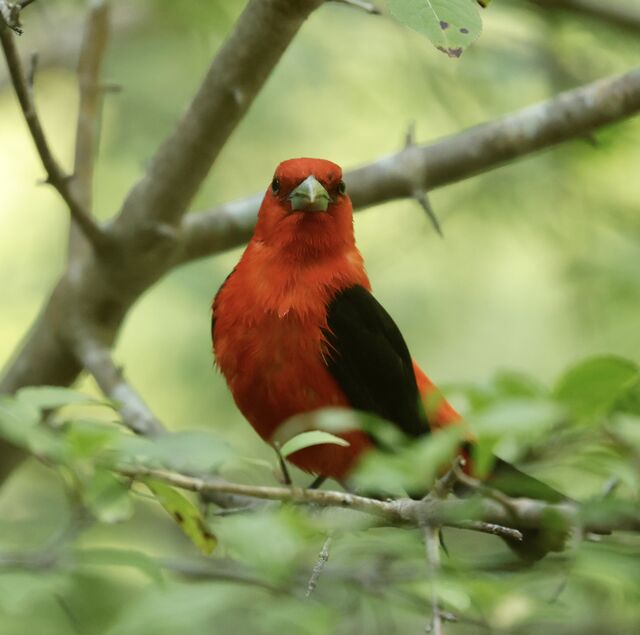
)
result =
(613, 13)
(570, 115)
(239, 70)
(55, 175)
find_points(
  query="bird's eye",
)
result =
(275, 185)
(342, 188)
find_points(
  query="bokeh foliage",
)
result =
(538, 269)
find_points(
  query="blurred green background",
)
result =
(539, 265)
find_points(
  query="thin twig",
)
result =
(432, 549)
(489, 528)
(94, 42)
(55, 175)
(318, 568)
(423, 200)
(487, 491)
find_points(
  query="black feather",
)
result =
(369, 359)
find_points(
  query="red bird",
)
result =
(295, 327)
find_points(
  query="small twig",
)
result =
(410, 135)
(419, 194)
(424, 202)
(490, 528)
(323, 557)
(286, 476)
(432, 549)
(369, 7)
(55, 175)
(94, 42)
(487, 491)
(445, 484)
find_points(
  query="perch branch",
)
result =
(521, 512)
(570, 115)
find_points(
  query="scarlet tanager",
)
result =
(295, 328)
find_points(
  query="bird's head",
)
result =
(306, 208)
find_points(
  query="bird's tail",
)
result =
(536, 542)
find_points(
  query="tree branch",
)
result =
(612, 13)
(94, 43)
(570, 115)
(521, 512)
(136, 415)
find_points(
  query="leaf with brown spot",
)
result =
(185, 513)
(451, 25)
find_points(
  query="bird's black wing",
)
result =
(369, 359)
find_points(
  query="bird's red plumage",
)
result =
(271, 312)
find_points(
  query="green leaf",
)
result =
(271, 541)
(451, 25)
(308, 439)
(189, 451)
(524, 418)
(516, 384)
(46, 397)
(107, 497)
(185, 513)
(86, 439)
(592, 387)
(120, 558)
(19, 424)
(17, 415)
(413, 468)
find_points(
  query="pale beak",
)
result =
(310, 196)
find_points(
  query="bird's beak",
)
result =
(310, 196)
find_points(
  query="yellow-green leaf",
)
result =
(185, 513)
(307, 439)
